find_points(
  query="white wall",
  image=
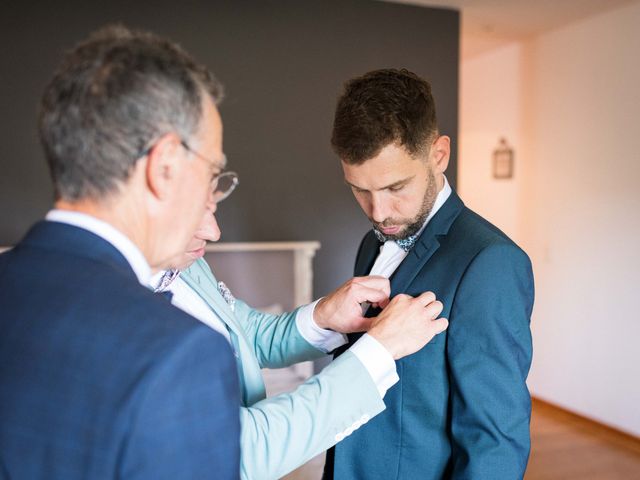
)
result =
(490, 109)
(576, 104)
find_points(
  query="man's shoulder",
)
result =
(106, 298)
(155, 324)
(475, 230)
(471, 237)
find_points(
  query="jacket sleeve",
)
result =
(276, 340)
(489, 354)
(186, 424)
(283, 432)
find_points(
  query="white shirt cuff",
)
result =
(378, 362)
(324, 340)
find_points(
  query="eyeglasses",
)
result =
(222, 184)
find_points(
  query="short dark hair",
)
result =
(112, 95)
(383, 107)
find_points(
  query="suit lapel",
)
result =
(200, 278)
(426, 245)
(195, 277)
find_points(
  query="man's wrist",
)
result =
(318, 317)
(388, 347)
(378, 362)
(321, 338)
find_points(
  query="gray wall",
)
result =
(283, 63)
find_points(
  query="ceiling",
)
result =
(487, 24)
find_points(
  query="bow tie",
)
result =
(405, 244)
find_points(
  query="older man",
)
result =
(99, 377)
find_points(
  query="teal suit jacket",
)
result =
(280, 433)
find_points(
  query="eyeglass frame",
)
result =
(215, 181)
(235, 181)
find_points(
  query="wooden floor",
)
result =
(568, 447)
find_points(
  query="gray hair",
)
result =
(112, 96)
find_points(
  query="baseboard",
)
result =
(606, 432)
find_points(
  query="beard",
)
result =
(414, 224)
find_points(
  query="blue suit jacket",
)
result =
(461, 409)
(99, 377)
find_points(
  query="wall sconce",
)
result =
(503, 160)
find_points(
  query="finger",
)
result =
(440, 325)
(375, 281)
(433, 309)
(371, 295)
(382, 304)
(366, 278)
(426, 298)
(401, 297)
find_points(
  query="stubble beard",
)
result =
(413, 225)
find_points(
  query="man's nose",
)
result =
(209, 229)
(214, 229)
(379, 208)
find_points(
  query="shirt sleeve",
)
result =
(374, 357)
(378, 362)
(322, 339)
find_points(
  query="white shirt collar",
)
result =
(126, 247)
(154, 280)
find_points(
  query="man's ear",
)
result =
(162, 167)
(440, 152)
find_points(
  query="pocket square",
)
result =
(227, 295)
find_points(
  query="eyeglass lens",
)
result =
(223, 185)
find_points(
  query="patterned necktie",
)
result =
(166, 279)
(405, 244)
